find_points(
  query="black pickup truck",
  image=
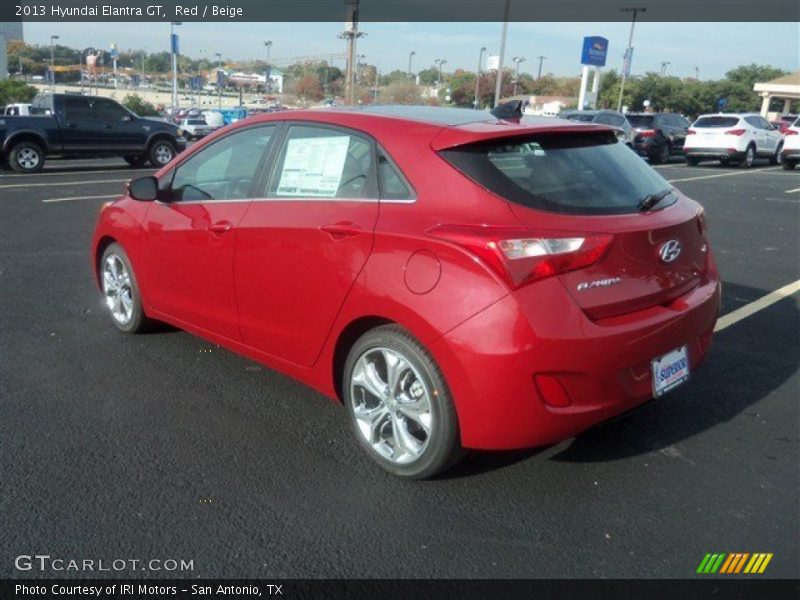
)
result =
(75, 126)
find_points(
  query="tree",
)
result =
(401, 92)
(429, 76)
(135, 103)
(307, 89)
(12, 91)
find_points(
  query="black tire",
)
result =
(26, 157)
(776, 158)
(442, 446)
(748, 160)
(692, 161)
(135, 161)
(161, 152)
(662, 156)
(787, 164)
(724, 161)
(138, 321)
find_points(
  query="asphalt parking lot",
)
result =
(165, 446)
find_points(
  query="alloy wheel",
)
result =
(117, 289)
(163, 153)
(28, 158)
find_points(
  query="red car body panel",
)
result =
(283, 288)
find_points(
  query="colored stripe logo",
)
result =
(735, 563)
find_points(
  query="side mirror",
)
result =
(144, 189)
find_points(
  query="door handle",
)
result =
(108, 126)
(342, 229)
(220, 228)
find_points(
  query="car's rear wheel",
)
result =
(787, 164)
(692, 161)
(161, 152)
(26, 157)
(663, 154)
(749, 157)
(399, 404)
(121, 291)
(135, 160)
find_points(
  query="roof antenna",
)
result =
(508, 111)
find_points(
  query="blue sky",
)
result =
(713, 47)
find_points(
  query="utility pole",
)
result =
(541, 60)
(498, 84)
(219, 79)
(173, 38)
(351, 34)
(410, 56)
(628, 53)
(697, 73)
(477, 103)
(268, 71)
(519, 60)
(53, 38)
(664, 66)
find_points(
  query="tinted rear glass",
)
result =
(588, 174)
(641, 120)
(716, 122)
(196, 122)
(580, 117)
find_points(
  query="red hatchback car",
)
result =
(456, 280)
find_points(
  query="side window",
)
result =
(753, 121)
(392, 184)
(109, 112)
(77, 108)
(764, 123)
(317, 162)
(225, 170)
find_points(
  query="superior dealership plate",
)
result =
(670, 370)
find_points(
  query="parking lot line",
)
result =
(88, 171)
(723, 174)
(25, 185)
(50, 200)
(794, 191)
(757, 305)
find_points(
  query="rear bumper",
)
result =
(491, 362)
(791, 153)
(731, 153)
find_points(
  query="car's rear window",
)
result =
(584, 118)
(196, 122)
(587, 174)
(641, 120)
(716, 122)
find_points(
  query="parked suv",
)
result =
(603, 117)
(658, 136)
(790, 155)
(732, 138)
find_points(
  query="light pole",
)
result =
(498, 84)
(477, 102)
(664, 66)
(53, 38)
(519, 60)
(541, 60)
(219, 82)
(439, 62)
(697, 73)
(628, 52)
(410, 56)
(173, 38)
(268, 71)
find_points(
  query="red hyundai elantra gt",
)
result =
(456, 280)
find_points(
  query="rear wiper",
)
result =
(651, 200)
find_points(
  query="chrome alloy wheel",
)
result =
(162, 153)
(117, 289)
(28, 158)
(392, 405)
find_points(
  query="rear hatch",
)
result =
(712, 132)
(642, 127)
(614, 232)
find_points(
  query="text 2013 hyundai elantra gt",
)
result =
(455, 279)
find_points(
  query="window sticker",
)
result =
(313, 166)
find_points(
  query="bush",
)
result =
(12, 91)
(135, 103)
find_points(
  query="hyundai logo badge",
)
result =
(670, 251)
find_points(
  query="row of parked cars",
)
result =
(731, 138)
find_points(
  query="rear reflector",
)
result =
(736, 132)
(520, 256)
(551, 390)
(647, 133)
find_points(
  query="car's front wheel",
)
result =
(121, 291)
(775, 159)
(399, 404)
(161, 152)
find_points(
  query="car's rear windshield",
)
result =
(585, 174)
(716, 122)
(196, 122)
(583, 117)
(640, 120)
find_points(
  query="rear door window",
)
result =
(588, 174)
(641, 121)
(77, 108)
(393, 185)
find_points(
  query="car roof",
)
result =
(737, 115)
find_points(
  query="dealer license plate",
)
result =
(670, 370)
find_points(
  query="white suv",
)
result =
(738, 138)
(791, 146)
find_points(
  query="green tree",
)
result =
(12, 91)
(135, 103)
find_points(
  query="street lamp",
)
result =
(440, 62)
(664, 66)
(268, 71)
(478, 78)
(173, 39)
(219, 83)
(519, 60)
(628, 52)
(53, 38)
(410, 56)
(498, 83)
(541, 60)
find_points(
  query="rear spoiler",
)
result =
(461, 135)
(508, 111)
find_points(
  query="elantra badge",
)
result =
(670, 251)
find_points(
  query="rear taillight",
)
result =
(736, 132)
(691, 132)
(701, 222)
(790, 132)
(520, 256)
(647, 133)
